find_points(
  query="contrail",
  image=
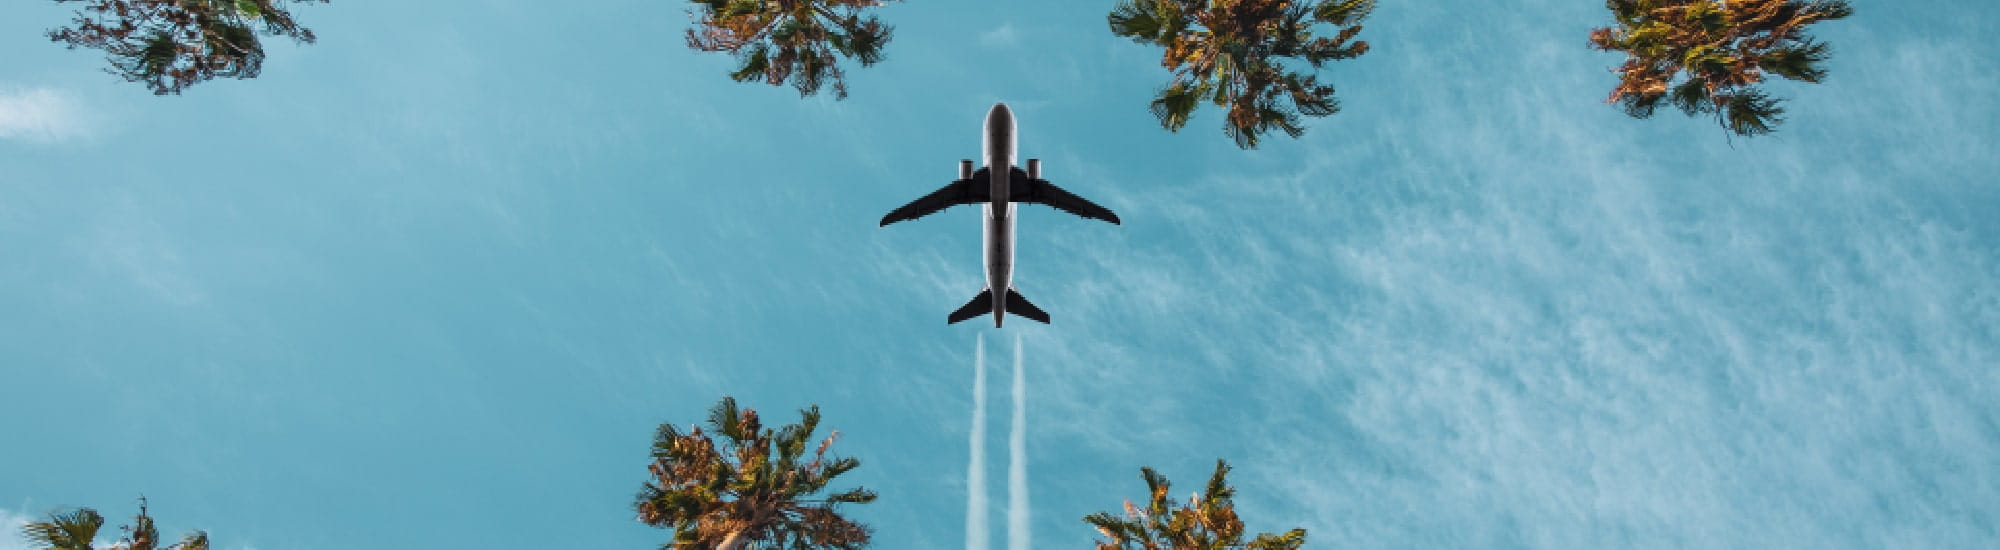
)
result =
(976, 537)
(1017, 461)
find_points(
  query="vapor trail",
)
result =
(976, 537)
(1017, 461)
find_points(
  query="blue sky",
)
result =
(433, 281)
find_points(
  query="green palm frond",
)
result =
(1798, 62)
(1343, 12)
(1144, 21)
(72, 530)
(1290, 540)
(1751, 112)
(1175, 105)
(724, 418)
(1690, 97)
(197, 540)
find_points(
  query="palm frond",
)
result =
(1750, 112)
(1343, 12)
(1797, 62)
(1174, 106)
(72, 530)
(1139, 20)
(197, 540)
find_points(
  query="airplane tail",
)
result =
(983, 304)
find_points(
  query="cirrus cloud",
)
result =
(40, 115)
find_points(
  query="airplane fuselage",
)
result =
(997, 146)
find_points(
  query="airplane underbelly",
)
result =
(999, 244)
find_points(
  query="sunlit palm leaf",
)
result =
(73, 530)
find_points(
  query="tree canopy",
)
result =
(749, 485)
(1207, 522)
(790, 40)
(1231, 53)
(168, 45)
(77, 530)
(1707, 56)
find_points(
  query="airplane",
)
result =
(998, 186)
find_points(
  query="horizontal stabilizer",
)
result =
(1020, 306)
(983, 304)
(980, 305)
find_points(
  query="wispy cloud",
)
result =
(10, 529)
(1003, 36)
(40, 115)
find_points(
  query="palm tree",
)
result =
(753, 489)
(1229, 53)
(169, 45)
(780, 40)
(1717, 50)
(1208, 522)
(77, 530)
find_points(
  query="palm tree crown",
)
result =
(1229, 52)
(169, 45)
(749, 485)
(780, 40)
(1207, 522)
(1717, 50)
(77, 530)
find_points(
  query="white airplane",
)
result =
(998, 189)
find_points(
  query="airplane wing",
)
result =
(1043, 192)
(966, 191)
